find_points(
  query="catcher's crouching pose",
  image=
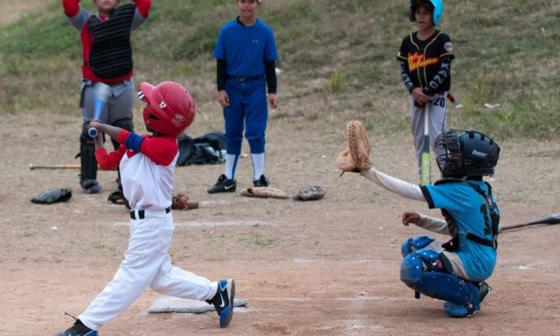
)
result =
(455, 271)
(147, 165)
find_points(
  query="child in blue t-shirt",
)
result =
(455, 271)
(246, 56)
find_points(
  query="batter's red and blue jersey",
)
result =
(147, 167)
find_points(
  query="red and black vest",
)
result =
(111, 51)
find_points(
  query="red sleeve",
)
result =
(161, 150)
(123, 135)
(143, 6)
(71, 7)
(107, 161)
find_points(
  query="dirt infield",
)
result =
(320, 268)
(11, 10)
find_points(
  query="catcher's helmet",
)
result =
(170, 107)
(435, 5)
(466, 153)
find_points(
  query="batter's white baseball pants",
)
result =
(146, 263)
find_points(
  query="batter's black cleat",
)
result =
(78, 329)
(263, 181)
(90, 186)
(223, 301)
(223, 185)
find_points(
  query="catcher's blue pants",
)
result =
(247, 110)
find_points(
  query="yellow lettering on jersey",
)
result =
(417, 60)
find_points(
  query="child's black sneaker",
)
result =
(263, 181)
(223, 301)
(223, 185)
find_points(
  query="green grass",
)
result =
(338, 59)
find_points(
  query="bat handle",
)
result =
(92, 132)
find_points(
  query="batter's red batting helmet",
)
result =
(170, 107)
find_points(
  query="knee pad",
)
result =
(88, 169)
(414, 244)
(416, 274)
(412, 268)
(414, 265)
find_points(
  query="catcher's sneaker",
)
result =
(455, 310)
(263, 181)
(78, 329)
(484, 289)
(223, 301)
(223, 185)
(90, 186)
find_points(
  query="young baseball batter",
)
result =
(455, 271)
(107, 58)
(425, 58)
(147, 166)
(246, 56)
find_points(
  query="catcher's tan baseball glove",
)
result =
(356, 157)
(181, 201)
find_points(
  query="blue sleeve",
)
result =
(134, 142)
(220, 50)
(270, 53)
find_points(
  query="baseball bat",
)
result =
(425, 173)
(58, 166)
(101, 92)
(454, 101)
(550, 220)
(451, 98)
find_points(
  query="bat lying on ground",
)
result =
(550, 220)
(58, 166)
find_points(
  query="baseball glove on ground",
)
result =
(53, 196)
(182, 202)
(310, 193)
(356, 157)
(265, 192)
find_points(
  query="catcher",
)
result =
(456, 271)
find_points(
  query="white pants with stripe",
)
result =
(437, 108)
(146, 264)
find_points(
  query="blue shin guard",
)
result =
(419, 271)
